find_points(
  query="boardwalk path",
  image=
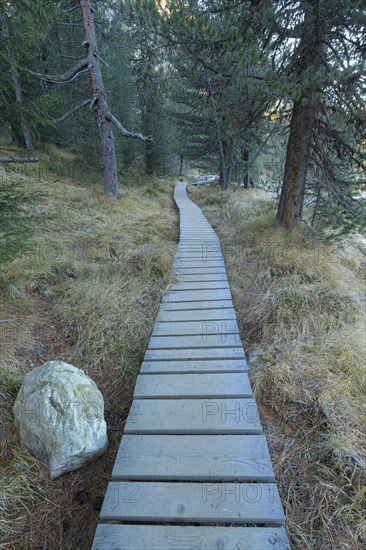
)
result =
(193, 469)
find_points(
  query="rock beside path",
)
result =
(60, 415)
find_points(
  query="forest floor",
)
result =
(301, 313)
(86, 293)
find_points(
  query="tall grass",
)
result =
(86, 293)
(302, 304)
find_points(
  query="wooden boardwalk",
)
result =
(193, 469)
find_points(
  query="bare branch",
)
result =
(74, 108)
(125, 132)
(80, 68)
(18, 159)
(103, 61)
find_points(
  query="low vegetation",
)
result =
(301, 309)
(84, 290)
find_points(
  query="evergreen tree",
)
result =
(327, 126)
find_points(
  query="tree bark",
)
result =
(105, 124)
(149, 158)
(22, 138)
(226, 162)
(297, 157)
(246, 179)
(291, 202)
(148, 100)
(225, 146)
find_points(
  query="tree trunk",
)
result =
(180, 165)
(21, 134)
(225, 146)
(226, 162)
(291, 202)
(297, 159)
(105, 125)
(147, 96)
(149, 158)
(246, 179)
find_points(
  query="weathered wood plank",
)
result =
(198, 365)
(193, 458)
(206, 502)
(178, 265)
(172, 386)
(208, 340)
(207, 247)
(187, 537)
(187, 286)
(196, 295)
(205, 270)
(187, 354)
(211, 314)
(201, 277)
(195, 327)
(193, 416)
(197, 257)
(197, 305)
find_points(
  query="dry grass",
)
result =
(303, 305)
(87, 294)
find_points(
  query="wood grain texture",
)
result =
(193, 458)
(172, 386)
(193, 416)
(198, 365)
(198, 341)
(196, 328)
(204, 314)
(205, 502)
(177, 537)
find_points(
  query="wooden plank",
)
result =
(206, 502)
(172, 386)
(198, 271)
(193, 458)
(194, 342)
(206, 249)
(210, 314)
(197, 257)
(193, 416)
(202, 253)
(197, 305)
(196, 295)
(187, 537)
(192, 236)
(200, 366)
(201, 277)
(187, 354)
(195, 327)
(186, 286)
(197, 263)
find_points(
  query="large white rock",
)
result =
(60, 415)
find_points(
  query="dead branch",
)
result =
(18, 159)
(75, 108)
(125, 132)
(79, 68)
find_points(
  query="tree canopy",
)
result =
(216, 85)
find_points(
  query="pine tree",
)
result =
(327, 123)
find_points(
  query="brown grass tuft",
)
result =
(87, 293)
(303, 305)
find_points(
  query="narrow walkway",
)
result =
(193, 469)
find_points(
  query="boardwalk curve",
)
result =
(193, 469)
